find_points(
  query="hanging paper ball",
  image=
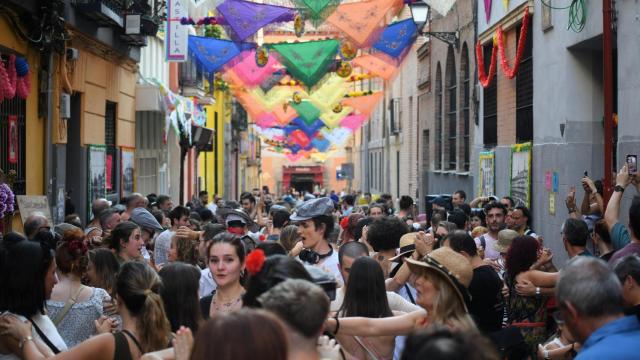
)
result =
(347, 51)
(22, 66)
(338, 108)
(344, 70)
(262, 56)
(297, 98)
(298, 25)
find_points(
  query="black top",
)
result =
(122, 351)
(487, 305)
(205, 305)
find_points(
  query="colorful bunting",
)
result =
(329, 94)
(307, 61)
(306, 111)
(337, 136)
(309, 129)
(321, 144)
(353, 122)
(245, 18)
(487, 10)
(332, 119)
(361, 21)
(284, 114)
(363, 104)
(317, 10)
(376, 65)
(250, 73)
(397, 38)
(441, 6)
(212, 53)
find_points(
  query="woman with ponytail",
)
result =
(75, 309)
(144, 325)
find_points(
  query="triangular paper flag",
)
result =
(361, 21)
(321, 144)
(307, 61)
(293, 157)
(212, 53)
(306, 111)
(245, 18)
(329, 94)
(250, 73)
(375, 65)
(363, 104)
(337, 136)
(353, 122)
(332, 119)
(309, 129)
(317, 10)
(284, 114)
(397, 38)
(441, 6)
(266, 120)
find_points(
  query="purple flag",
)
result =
(487, 10)
(245, 18)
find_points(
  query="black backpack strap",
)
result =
(44, 338)
(409, 294)
(483, 242)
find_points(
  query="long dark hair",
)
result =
(241, 335)
(366, 294)
(276, 269)
(106, 267)
(23, 268)
(179, 293)
(522, 253)
(138, 286)
(122, 232)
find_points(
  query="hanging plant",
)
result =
(508, 71)
(485, 80)
(7, 200)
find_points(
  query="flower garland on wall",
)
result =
(508, 71)
(15, 78)
(498, 43)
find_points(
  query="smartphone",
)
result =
(632, 164)
(586, 173)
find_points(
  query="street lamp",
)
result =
(420, 14)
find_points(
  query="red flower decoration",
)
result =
(254, 261)
(510, 72)
(262, 237)
(485, 80)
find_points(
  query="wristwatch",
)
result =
(24, 341)
(618, 188)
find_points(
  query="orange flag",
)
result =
(363, 104)
(376, 66)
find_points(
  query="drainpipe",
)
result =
(48, 174)
(607, 61)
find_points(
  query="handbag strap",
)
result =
(44, 338)
(370, 352)
(67, 306)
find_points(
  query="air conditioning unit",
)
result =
(132, 23)
(65, 106)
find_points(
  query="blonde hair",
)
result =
(478, 231)
(448, 308)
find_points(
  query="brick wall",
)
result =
(507, 95)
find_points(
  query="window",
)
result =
(490, 104)
(112, 153)
(438, 118)
(12, 140)
(452, 110)
(464, 98)
(524, 92)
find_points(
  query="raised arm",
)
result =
(613, 207)
(389, 326)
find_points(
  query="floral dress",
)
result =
(528, 313)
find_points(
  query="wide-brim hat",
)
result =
(505, 238)
(407, 246)
(238, 215)
(451, 267)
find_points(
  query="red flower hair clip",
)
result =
(254, 261)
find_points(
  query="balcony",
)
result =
(191, 79)
(104, 12)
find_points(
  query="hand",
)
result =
(109, 306)
(585, 185)
(186, 233)
(328, 348)
(105, 325)
(11, 325)
(494, 264)
(570, 201)
(623, 178)
(424, 243)
(636, 182)
(505, 291)
(546, 256)
(525, 288)
(365, 230)
(297, 248)
(586, 181)
(183, 343)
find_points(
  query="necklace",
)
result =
(231, 305)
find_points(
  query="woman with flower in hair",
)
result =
(225, 258)
(76, 309)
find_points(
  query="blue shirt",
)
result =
(619, 236)
(616, 340)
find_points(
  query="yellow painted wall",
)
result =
(206, 162)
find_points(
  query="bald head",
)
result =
(35, 223)
(98, 206)
(136, 200)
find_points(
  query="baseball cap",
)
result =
(313, 208)
(143, 218)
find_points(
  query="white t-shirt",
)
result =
(48, 329)
(330, 266)
(489, 251)
(162, 246)
(207, 284)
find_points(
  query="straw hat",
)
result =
(450, 266)
(505, 238)
(407, 246)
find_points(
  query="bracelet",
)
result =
(545, 354)
(24, 341)
(337, 325)
(572, 210)
(537, 291)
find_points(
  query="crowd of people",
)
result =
(324, 276)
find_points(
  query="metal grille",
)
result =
(15, 107)
(464, 89)
(490, 105)
(524, 92)
(452, 88)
